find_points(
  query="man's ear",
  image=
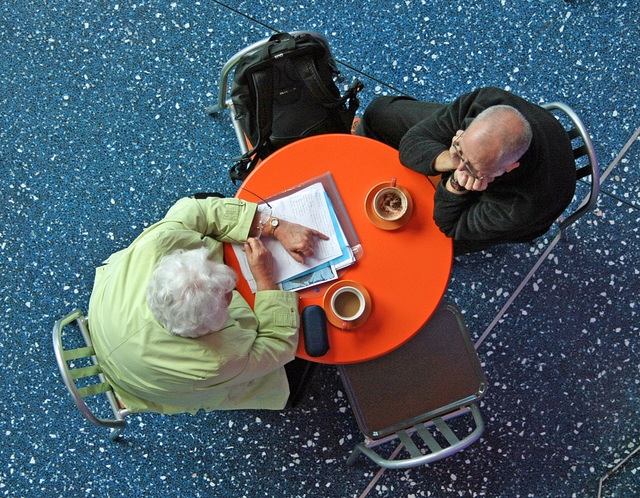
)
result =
(512, 166)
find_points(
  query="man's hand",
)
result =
(470, 183)
(260, 264)
(298, 240)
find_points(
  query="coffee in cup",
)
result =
(390, 203)
(348, 304)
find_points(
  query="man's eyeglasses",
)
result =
(465, 163)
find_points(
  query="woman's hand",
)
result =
(260, 264)
(298, 240)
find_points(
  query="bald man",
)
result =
(507, 165)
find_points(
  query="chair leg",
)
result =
(515, 293)
(354, 454)
(114, 435)
(299, 374)
(615, 469)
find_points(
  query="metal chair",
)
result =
(225, 102)
(224, 99)
(82, 375)
(587, 171)
(422, 396)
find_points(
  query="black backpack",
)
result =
(285, 90)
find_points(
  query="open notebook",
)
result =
(315, 204)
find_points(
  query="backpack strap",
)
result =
(262, 87)
(239, 171)
(351, 95)
(284, 41)
(308, 73)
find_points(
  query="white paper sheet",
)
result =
(306, 207)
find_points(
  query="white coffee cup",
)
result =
(390, 203)
(348, 304)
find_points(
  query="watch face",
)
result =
(274, 222)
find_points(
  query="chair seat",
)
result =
(433, 377)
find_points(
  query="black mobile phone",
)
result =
(314, 329)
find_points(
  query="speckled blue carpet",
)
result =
(102, 128)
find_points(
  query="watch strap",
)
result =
(274, 223)
(455, 185)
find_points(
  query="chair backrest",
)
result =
(81, 372)
(411, 393)
(584, 154)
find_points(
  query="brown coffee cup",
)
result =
(348, 304)
(390, 203)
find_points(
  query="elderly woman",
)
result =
(171, 332)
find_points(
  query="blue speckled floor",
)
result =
(103, 127)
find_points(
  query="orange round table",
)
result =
(405, 271)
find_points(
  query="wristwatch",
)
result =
(455, 185)
(275, 223)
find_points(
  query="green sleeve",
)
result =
(278, 324)
(226, 220)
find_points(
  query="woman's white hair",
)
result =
(187, 293)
